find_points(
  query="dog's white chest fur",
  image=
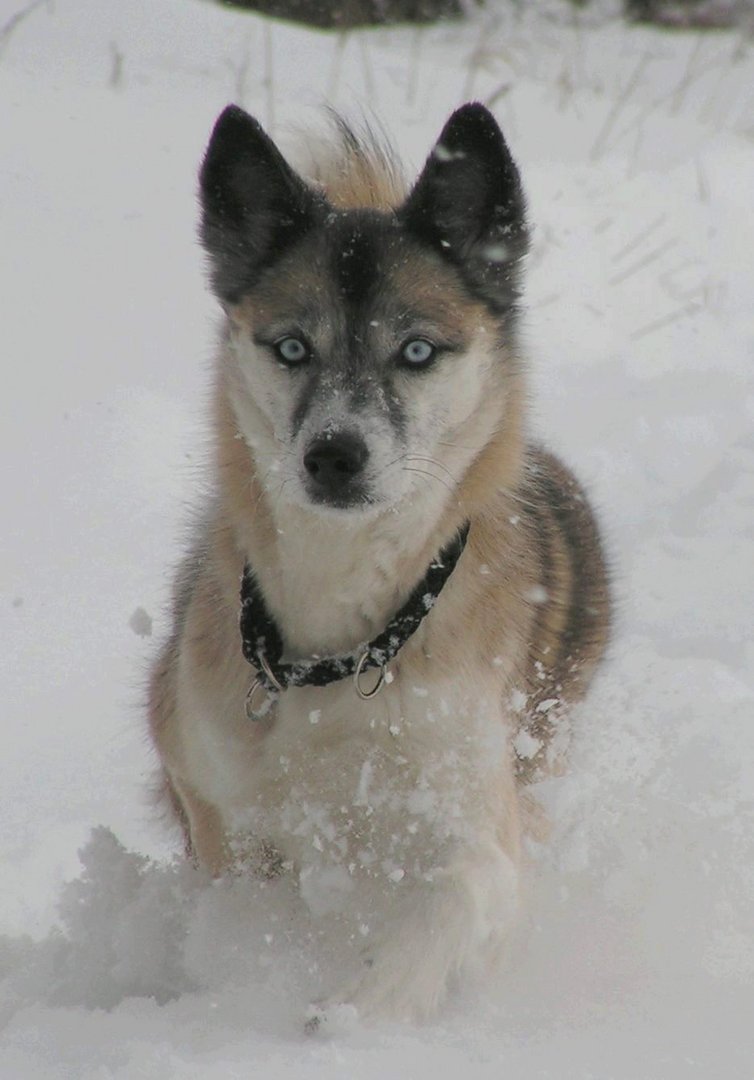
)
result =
(373, 787)
(381, 806)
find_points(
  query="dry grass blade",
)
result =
(619, 105)
(665, 320)
(647, 260)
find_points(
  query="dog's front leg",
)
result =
(203, 828)
(445, 920)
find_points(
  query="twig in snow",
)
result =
(565, 87)
(336, 68)
(414, 55)
(492, 99)
(666, 320)
(633, 160)
(116, 66)
(573, 72)
(647, 260)
(702, 182)
(473, 63)
(366, 65)
(551, 298)
(667, 278)
(664, 98)
(690, 75)
(640, 238)
(11, 24)
(242, 73)
(715, 97)
(269, 76)
(618, 107)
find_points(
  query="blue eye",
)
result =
(291, 350)
(418, 353)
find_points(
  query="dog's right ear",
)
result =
(253, 204)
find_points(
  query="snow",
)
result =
(636, 958)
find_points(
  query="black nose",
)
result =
(334, 461)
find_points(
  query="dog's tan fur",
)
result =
(521, 623)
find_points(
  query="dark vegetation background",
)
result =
(342, 14)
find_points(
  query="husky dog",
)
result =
(420, 591)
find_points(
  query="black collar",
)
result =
(263, 645)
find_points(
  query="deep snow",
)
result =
(637, 957)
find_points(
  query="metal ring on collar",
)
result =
(258, 700)
(365, 695)
(265, 666)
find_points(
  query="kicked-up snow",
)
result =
(635, 957)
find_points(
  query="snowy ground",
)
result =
(637, 960)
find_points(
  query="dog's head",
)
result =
(372, 350)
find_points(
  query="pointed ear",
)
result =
(253, 204)
(468, 203)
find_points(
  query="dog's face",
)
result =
(371, 350)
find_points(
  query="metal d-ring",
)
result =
(265, 666)
(365, 695)
(256, 706)
(255, 710)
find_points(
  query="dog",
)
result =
(393, 595)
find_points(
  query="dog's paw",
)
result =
(386, 989)
(330, 1018)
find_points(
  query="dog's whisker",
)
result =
(287, 480)
(432, 461)
(426, 472)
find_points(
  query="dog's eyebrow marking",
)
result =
(431, 324)
(292, 312)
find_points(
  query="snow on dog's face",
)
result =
(371, 350)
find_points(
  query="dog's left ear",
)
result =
(468, 204)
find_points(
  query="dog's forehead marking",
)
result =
(357, 240)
